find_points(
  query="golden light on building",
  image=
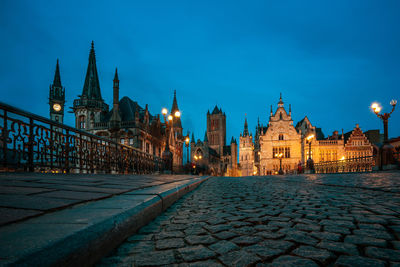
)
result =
(343, 158)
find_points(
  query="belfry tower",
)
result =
(57, 97)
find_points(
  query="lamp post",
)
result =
(387, 149)
(280, 156)
(187, 141)
(310, 161)
(167, 155)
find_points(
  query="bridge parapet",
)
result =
(29, 142)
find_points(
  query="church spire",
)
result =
(193, 141)
(57, 77)
(177, 121)
(246, 128)
(91, 87)
(205, 137)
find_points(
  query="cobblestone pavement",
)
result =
(272, 221)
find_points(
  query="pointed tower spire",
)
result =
(290, 109)
(57, 77)
(205, 137)
(193, 140)
(115, 117)
(177, 121)
(280, 103)
(91, 87)
(271, 111)
(246, 128)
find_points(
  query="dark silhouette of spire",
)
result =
(57, 77)
(205, 137)
(91, 87)
(193, 141)
(246, 128)
(177, 121)
(280, 103)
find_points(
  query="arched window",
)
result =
(281, 137)
(82, 122)
(280, 115)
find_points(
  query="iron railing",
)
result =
(361, 164)
(29, 142)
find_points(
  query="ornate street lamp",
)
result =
(387, 149)
(167, 155)
(310, 161)
(280, 156)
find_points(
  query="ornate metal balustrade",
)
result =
(362, 164)
(29, 142)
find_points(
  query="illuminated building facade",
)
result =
(281, 137)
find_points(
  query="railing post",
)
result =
(30, 146)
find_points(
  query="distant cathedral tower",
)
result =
(57, 97)
(90, 107)
(246, 151)
(216, 130)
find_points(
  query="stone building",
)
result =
(212, 152)
(259, 156)
(127, 122)
(246, 152)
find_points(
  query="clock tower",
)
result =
(57, 98)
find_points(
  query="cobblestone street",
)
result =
(275, 221)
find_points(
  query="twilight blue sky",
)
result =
(330, 59)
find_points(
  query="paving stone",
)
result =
(169, 234)
(351, 261)
(317, 254)
(365, 241)
(207, 263)
(170, 243)
(223, 247)
(307, 227)
(155, 258)
(246, 240)
(336, 229)
(140, 237)
(270, 235)
(326, 236)
(339, 247)
(383, 253)
(11, 215)
(225, 235)
(338, 223)
(196, 253)
(264, 252)
(200, 239)
(396, 244)
(374, 233)
(217, 228)
(239, 258)
(371, 226)
(301, 237)
(277, 244)
(293, 261)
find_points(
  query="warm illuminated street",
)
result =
(348, 220)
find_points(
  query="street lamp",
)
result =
(187, 140)
(280, 156)
(387, 149)
(310, 162)
(167, 155)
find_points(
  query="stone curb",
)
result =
(82, 235)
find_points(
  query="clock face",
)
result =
(57, 107)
